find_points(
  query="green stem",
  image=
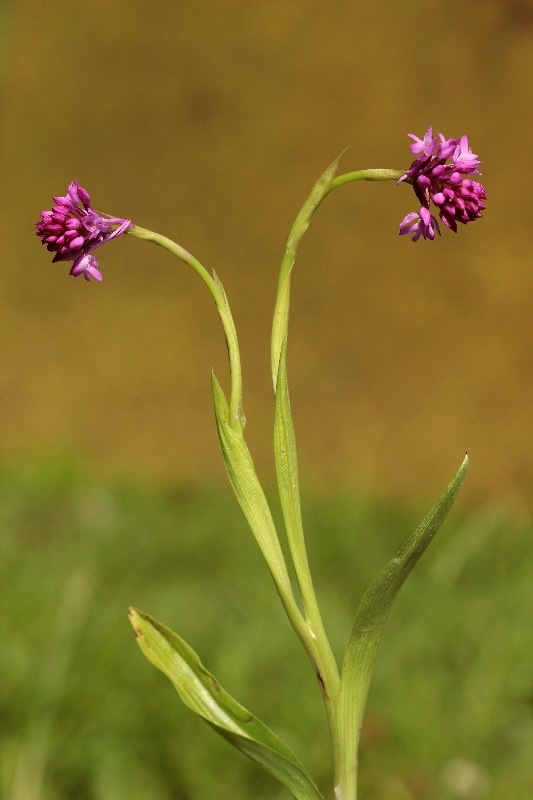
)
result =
(325, 662)
(367, 175)
(297, 620)
(221, 302)
(301, 223)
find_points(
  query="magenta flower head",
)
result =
(72, 230)
(441, 174)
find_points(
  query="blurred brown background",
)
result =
(210, 121)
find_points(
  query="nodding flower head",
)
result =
(442, 175)
(72, 230)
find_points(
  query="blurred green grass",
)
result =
(83, 715)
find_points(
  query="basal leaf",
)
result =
(203, 694)
(372, 614)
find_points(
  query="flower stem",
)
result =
(367, 175)
(324, 659)
(219, 296)
(277, 569)
(301, 223)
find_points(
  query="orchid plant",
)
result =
(443, 175)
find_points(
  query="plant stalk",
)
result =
(219, 296)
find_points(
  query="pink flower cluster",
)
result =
(72, 230)
(442, 175)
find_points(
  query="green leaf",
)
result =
(249, 493)
(203, 694)
(287, 476)
(287, 460)
(372, 614)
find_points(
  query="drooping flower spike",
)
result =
(441, 175)
(72, 230)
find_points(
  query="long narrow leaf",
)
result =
(287, 462)
(372, 614)
(249, 493)
(287, 476)
(203, 694)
